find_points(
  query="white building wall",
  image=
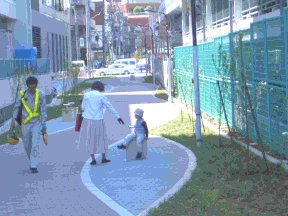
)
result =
(8, 8)
(9, 86)
(220, 29)
(23, 25)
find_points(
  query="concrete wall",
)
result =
(8, 8)
(9, 86)
(23, 24)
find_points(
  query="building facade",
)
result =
(140, 34)
(43, 24)
(15, 26)
(78, 29)
(214, 15)
(51, 32)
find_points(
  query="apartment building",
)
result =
(98, 39)
(43, 24)
(138, 23)
(51, 32)
(78, 29)
(15, 26)
(215, 16)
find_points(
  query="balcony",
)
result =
(8, 8)
(82, 3)
(169, 6)
(50, 11)
(10, 67)
(81, 20)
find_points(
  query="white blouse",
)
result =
(94, 105)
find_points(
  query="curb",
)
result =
(186, 177)
(121, 210)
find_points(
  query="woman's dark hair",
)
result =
(97, 85)
(31, 80)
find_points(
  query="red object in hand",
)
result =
(78, 123)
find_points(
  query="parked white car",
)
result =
(129, 62)
(115, 69)
(141, 65)
(80, 64)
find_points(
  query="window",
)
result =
(47, 2)
(35, 5)
(36, 37)
(220, 9)
(186, 15)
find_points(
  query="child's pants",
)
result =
(139, 140)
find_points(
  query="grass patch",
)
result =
(148, 79)
(161, 93)
(228, 180)
(56, 111)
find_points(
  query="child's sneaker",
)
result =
(139, 155)
(121, 146)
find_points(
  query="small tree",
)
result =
(223, 69)
(74, 72)
(138, 9)
(20, 73)
(138, 54)
(109, 59)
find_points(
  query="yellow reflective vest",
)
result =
(35, 112)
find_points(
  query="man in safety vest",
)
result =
(33, 119)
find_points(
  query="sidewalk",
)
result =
(68, 185)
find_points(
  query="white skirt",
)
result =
(93, 135)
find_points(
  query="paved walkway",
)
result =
(66, 183)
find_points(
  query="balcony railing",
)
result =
(12, 67)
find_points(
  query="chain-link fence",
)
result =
(261, 53)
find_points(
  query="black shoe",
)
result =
(93, 162)
(139, 155)
(104, 160)
(121, 146)
(34, 170)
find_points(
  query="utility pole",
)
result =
(232, 59)
(231, 15)
(204, 19)
(119, 34)
(103, 35)
(169, 70)
(152, 54)
(88, 41)
(113, 36)
(146, 62)
(196, 76)
(76, 30)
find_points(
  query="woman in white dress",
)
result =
(93, 132)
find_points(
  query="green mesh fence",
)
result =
(263, 57)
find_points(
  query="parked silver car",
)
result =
(115, 69)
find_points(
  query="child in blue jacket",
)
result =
(140, 133)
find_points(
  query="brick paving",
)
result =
(58, 189)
